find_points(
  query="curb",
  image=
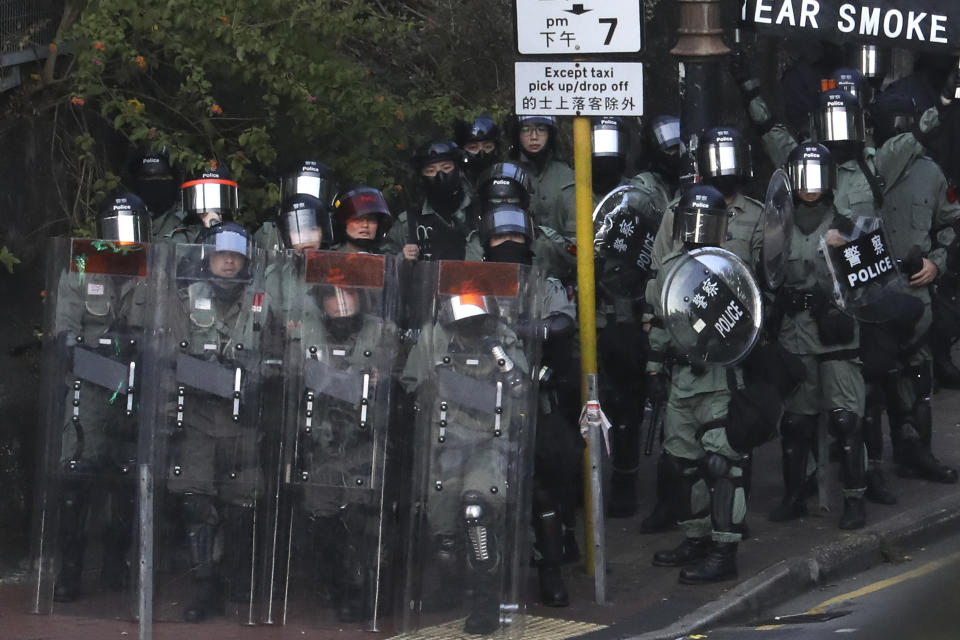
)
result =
(794, 576)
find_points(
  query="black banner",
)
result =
(914, 24)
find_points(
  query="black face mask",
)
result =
(476, 163)
(369, 245)
(727, 185)
(444, 191)
(668, 166)
(509, 251)
(228, 290)
(342, 329)
(158, 195)
(844, 151)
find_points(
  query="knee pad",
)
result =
(796, 426)
(715, 466)
(477, 518)
(843, 423)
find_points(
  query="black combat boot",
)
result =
(854, 513)
(200, 523)
(719, 564)
(690, 550)
(116, 570)
(71, 543)
(483, 565)
(548, 532)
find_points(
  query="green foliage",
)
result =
(260, 84)
(8, 260)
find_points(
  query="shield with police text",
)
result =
(777, 228)
(334, 544)
(625, 226)
(712, 306)
(471, 377)
(99, 297)
(865, 280)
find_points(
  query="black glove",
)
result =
(740, 66)
(657, 388)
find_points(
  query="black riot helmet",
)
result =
(311, 178)
(852, 81)
(444, 189)
(663, 146)
(356, 203)
(504, 183)
(609, 152)
(211, 191)
(228, 237)
(478, 140)
(700, 217)
(892, 114)
(723, 159)
(155, 181)
(123, 218)
(812, 172)
(304, 220)
(838, 120)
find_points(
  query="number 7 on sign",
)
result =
(613, 26)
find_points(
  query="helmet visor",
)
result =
(228, 240)
(201, 196)
(124, 227)
(607, 142)
(812, 175)
(700, 227)
(505, 220)
(312, 185)
(721, 159)
(302, 227)
(667, 134)
(839, 123)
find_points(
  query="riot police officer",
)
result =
(506, 233)
(221, 326)
(208, 199)
(438, 231)
(310, 178)
(826, 339)
(916, 207)
(695, 440)
(156, 184)
(361, 221)
(480, 143)
(99, 321)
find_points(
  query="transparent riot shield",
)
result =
(469, 376)
(625, 225)
(218, 340)
(777, 229)
(335, 540)
(86, 545)
(712, 306)
(865, 279)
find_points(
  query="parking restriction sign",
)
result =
(578, 27)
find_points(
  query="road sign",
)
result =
(578, 27)
(579, 88)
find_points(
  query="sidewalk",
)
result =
(778, 561)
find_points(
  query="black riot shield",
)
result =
(335, 541)
(97, 310)
(712, 306)
(470, 378)
(777, 229)
(625, 225)
(217, 340)
(865, 280)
